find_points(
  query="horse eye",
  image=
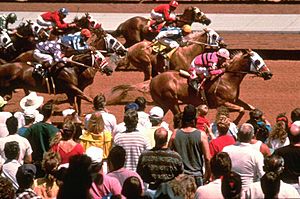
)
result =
(4, 40)
(257, 63)
(36, 28)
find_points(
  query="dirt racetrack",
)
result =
(280, 94)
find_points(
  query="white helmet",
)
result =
(222, 52)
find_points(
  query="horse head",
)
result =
(254, 64)
(194, 14)
(83, 22)
(99, 62)
(39, 32)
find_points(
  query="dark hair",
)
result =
(117, 157)
(222, 110)
(131, 120)
(270, 184)
(220, 164)
(295, 114)
(6, 189)
(155, 121)
(223, 127)
(189, 116)
(68, 130)
(12, 150)
(99, 101)
(47, 110)
(245, 133)
(231, 185)
(12, 125)
(50, 162)
(256, 114)
(25, 176)
(273, 163)
(141, 101)
(132, 188)
(160, 137)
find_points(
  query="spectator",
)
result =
(220, 165)
(39, 136)
(156, 119)
(6, 189)
(29, 118)
(260, 146)
(67, 147)
(291, 156)
(102, 185)
(3, 117)
(217, 145)
(11, 165)
(96, 135)
(110, 122)
(46, 187)
(70, 115)
(270, 185)
(231, 186)
(273, 164)
(246, 161)
(262, 127)
(25, 176)
(116, 161)
(279, 135)
(78, 178)
(295, 115)
(159, 164)
(192, 146)
(24, 145)
(143, 116)
(132, 140)
(203, 123)
(223, 115)
(132, 189)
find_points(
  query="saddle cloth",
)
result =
(163, 49)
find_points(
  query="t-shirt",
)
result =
(65, 156)
(217, 145)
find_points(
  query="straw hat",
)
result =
(2, 102)
(31, 101)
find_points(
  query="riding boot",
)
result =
(194, 83)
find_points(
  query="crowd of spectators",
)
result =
(143, 157)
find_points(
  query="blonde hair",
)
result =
(96, 123)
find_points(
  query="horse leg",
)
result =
(236, 108)
(78, 103)
(78, 93)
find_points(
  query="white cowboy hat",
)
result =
(31, 101)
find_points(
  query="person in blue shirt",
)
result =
(77, 41)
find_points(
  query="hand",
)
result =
(72, 25)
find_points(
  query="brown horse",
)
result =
(135, 29)
(144, 58)
(168, 88)
(71, 79)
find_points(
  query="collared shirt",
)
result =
(9, 171)
(27, 194)
(246, 161)
(122, 174)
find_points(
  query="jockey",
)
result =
(207, 64)
(56, 18)
(11, 18)
(49, 53)
(172, 37)
(164, 12)
(77, 41)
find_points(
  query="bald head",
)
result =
(295, 132)
(160, 137)
(246, 132)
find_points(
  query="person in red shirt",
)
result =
(56, 18)
(164, 12)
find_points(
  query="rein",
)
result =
(199, 43)
(21, 36)
(240, 72)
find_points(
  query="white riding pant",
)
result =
(42, 22)
(159, 17)
(170, 42)
(41, 57)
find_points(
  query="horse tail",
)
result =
(123, 94)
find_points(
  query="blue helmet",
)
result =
(63, 11)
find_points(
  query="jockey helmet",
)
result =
(173, 4)
(63, 11)
(222, 52)
(85, 32)
(11, 18)
(187, 28)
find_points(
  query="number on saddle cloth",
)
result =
(5, 40)
(213, 38)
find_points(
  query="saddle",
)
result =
(163, 49)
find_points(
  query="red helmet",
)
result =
(85, 32)
(173, 3)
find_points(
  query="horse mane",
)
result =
(194, 34)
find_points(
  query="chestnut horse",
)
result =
(135, 29)
(71, 79)
(144, 58)
(168, 88)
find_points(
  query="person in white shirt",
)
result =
(246, 161)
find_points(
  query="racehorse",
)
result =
(135, 29)
(168, 88)
(72, 79)
(23, 40)
(144, 58)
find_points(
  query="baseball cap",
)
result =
(95, 153)
(131, 105)
(156, 112)
(26, 170)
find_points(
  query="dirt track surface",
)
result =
(280, 94)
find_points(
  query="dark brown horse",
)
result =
(135, 29)
(168, 88)
(71, 79)
(142, 56)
